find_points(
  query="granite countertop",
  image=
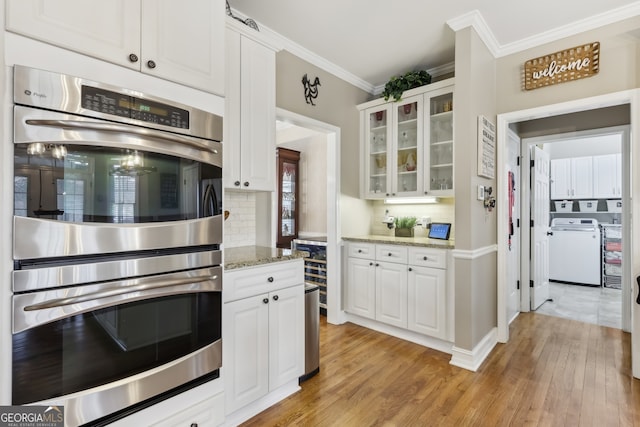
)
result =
(406, 241)
(248, 256)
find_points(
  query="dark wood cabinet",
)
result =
(288, 172)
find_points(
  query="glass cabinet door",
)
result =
(439, 176)
(408, 165)
(378, 154)
(287, 196)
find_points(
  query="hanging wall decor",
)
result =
(310, 89)
(564, 66)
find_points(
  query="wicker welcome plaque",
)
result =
(564, 66)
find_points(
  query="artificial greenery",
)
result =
(405, 222)
(396, 85)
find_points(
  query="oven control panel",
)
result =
(118, 104)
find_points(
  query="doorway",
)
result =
(564, 112)
(320, 167)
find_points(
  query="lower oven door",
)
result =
(101, 348)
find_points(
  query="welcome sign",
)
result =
(564, 66)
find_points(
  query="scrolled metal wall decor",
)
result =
(310, 89)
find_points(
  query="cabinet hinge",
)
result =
(518, 222)
(531, 163)
(531, 283)
(531, 224)
(518, 284)
(518, 161)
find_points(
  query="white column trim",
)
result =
(472, 359)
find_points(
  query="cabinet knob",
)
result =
(151, 64)
(390, 254)
(270, 279)
(425, 258)
(359, 251)
(194, 425)
(246, 183)
(276, 297)
(237, 183)
(133, 57)
(265, 300)
(410, 269)
(387, 194)
(377, 265)
(370, 263)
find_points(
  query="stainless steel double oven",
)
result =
(117, 234)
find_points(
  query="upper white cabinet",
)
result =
(250, 116)
(162, 38)
(407, 146)
(572, 178)
(607, 176)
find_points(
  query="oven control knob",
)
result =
(151, 64)
(265, 300)
(133, 57)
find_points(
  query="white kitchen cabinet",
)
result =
(407, 146)
(571, 178)
(607, 176)
(157, 37)
(403, 286)
(207, 412)
(250, 117)
(263, 333)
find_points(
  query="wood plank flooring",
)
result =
(553, 372)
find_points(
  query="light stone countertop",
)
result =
(424, 242)
(249, 256)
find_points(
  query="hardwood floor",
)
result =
(553, 372)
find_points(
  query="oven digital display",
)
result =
(109, 102)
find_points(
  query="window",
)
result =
(124, 198)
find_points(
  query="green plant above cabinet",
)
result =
(397, 85)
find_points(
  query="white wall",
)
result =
(438, 212)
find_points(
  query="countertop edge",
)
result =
(423, 242)
(251, 256)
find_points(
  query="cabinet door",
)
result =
(257, 115)
(108, 30)
(439, 142)
(245, 350)
(427, 301)
(286, 335)
(361, 287)
(184, 44)
(582, 177)
(407, 169)
(391, 293)
(606, 176)
(378, 154)
(560, 179)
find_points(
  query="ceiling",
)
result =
(371, 40)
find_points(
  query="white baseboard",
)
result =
(471, 360)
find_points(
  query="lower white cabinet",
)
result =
(263, 334)
(398, 285)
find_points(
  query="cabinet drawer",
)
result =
(251, 281)
(426, 257)
(391, 253)
(362, 250)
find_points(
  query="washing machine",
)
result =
(574, 251)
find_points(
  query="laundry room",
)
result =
(585, 225)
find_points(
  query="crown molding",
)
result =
(610, 17)
(475, 20)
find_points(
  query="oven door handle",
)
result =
(33, 309)
(112, 292)
(115, 128)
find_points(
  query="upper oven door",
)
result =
(84, 186)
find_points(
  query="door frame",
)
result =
(334, 295)
(504, 121)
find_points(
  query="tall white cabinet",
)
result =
(250, 116)
(145, 35)
(607, 176)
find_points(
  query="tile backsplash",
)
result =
(240, 227)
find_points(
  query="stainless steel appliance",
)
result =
(116, 246)
(315, 265)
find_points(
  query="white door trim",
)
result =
(334, 295)
(503, 122)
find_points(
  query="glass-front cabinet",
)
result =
(438, 177)
(407, 146)
(288, 165)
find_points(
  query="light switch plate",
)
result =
(480, 192)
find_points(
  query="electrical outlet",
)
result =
(481, 192)
(425, 221)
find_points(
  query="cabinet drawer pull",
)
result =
(377, 265)
(410, 269)
(359, 251)
(390, 254)
(275, 297)
(370, 263)
(151, 64)
(270, 279)
(133, 57)
(237, 183)
(265, 300)
(246, 183)
(425, 258)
